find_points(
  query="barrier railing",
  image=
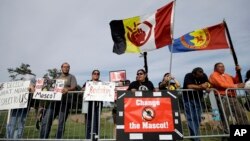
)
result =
(210, 116)
(200, 114)
(236, 106)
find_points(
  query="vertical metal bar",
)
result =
(76, 121)
(223, 110)
(99, 120)
(229, 106)
(92, 120)
(178, 91)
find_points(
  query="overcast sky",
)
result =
(46, 33)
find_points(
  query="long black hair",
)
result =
(165, 76)
(144, 72)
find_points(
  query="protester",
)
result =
(247, 82)
(142, 83)
(169, 83)
(222, 81)
(41, 108)
(59, 108)
(247, 87)
(96, 105)
(16, 123)
(247, 76)
(193, 100)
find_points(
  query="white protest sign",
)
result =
(99, 91)
(55, 95)
(14, 95)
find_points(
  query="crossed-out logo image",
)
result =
(148, 115)
(198, 39)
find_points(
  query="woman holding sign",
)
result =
(88, 116)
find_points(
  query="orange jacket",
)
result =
(223, 81)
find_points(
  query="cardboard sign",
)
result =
(148, 115)
(14, 95)
(117, 75)
(55, 93)
(99, 91)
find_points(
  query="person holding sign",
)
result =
(18, 116)
(142, 83)
(59, 108)
(88, 116)
(169, 83)
(193, 100)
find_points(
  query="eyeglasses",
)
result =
(96, 73)
(140, 73)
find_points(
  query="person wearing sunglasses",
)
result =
(88, 117)
(142, 83)
(169, 83)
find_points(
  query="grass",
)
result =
(75, 127)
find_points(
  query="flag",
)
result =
(143, 33)
(209, 38)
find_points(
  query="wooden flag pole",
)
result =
(233, 51)
(145, 61)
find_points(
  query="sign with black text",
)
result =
(14, 95)
(54, 93)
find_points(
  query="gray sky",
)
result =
(46, 33)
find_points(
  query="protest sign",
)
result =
(99, 91)
(14, 95)
(147, 116)
(117, 75)
(54, 93)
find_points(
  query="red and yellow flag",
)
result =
(143, 33)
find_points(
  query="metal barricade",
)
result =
(213, 116)
(200, 114)
(75, 122)
(236, 106)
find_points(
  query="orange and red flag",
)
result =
(209, 38)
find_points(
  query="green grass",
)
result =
(75, 128)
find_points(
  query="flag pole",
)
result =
(145, 61)
(233, 51)
(171, 46)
